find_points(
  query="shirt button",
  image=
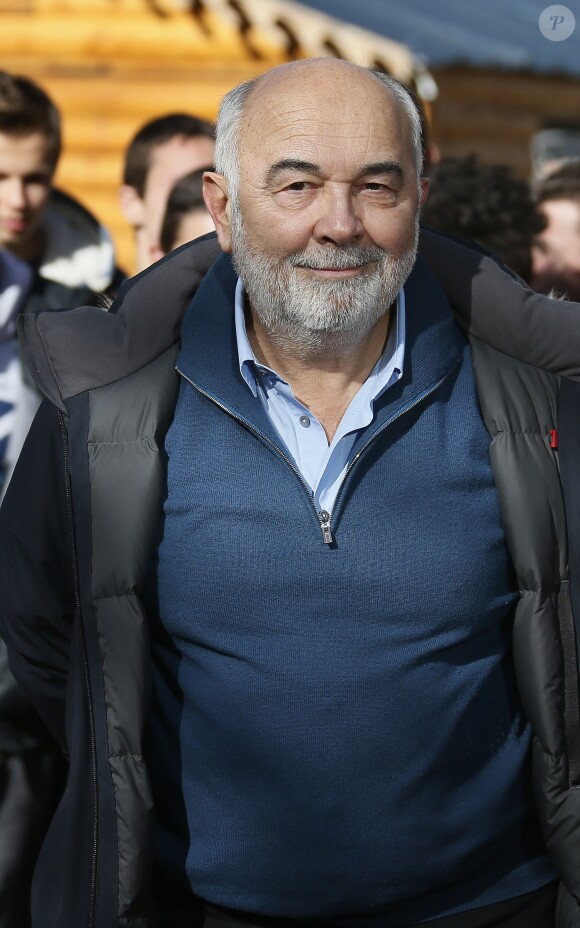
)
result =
(305, 421)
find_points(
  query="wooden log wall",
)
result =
(111, 65)
(494, 114)
(109, 68)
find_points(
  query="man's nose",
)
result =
(16, 193)
(338, 221)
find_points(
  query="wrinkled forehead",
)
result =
(325, 122)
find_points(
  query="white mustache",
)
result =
(337, 259)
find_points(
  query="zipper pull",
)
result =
(324, 517)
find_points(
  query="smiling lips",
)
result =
(333, 272)
(14, 225)
(337, 272)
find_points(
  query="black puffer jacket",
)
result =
(77, 264)
(73, 567)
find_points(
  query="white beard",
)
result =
(315, 315)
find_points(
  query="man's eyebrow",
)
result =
(290, 164)
(295, 164)
(382, 167)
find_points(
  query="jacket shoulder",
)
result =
(71, 352)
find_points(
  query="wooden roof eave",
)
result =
(308, 33)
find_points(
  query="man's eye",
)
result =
(298, 186)
(41, 179)
(374, 185)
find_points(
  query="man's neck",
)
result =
(326, 381)
(32, 249)
(144, 255)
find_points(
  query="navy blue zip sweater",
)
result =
(336, 731)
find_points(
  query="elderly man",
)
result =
(267, 580)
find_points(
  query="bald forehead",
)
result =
(316, 80)
(323, 106)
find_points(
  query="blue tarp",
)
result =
(482, 33)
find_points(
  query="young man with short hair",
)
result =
(186, 216)
(162, 151)
(70, 256)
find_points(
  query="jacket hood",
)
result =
(79, 249)
(76, 350)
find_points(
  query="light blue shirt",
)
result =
(322, 466)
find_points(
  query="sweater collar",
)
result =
(434, 346)
(209, 353)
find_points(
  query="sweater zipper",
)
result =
(402, 412)
(86, 670)
(324, 518)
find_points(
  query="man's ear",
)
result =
(424, 190)
(217, 200)
(132, 206)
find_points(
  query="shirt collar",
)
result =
(246, 356)
(391, 360)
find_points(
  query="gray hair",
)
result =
(403, 96)
(231, 111)
(228, 130)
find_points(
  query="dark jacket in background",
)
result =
(77, 264)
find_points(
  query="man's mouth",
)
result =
(334, 269)
(334, 272)
(14, 225)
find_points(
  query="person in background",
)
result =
(18, 399)
(341, 726)
(69, 254)
(487, 204)
(550, 148)
(186, 216)
(53, 255)
(161, 152)
(556, 246)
